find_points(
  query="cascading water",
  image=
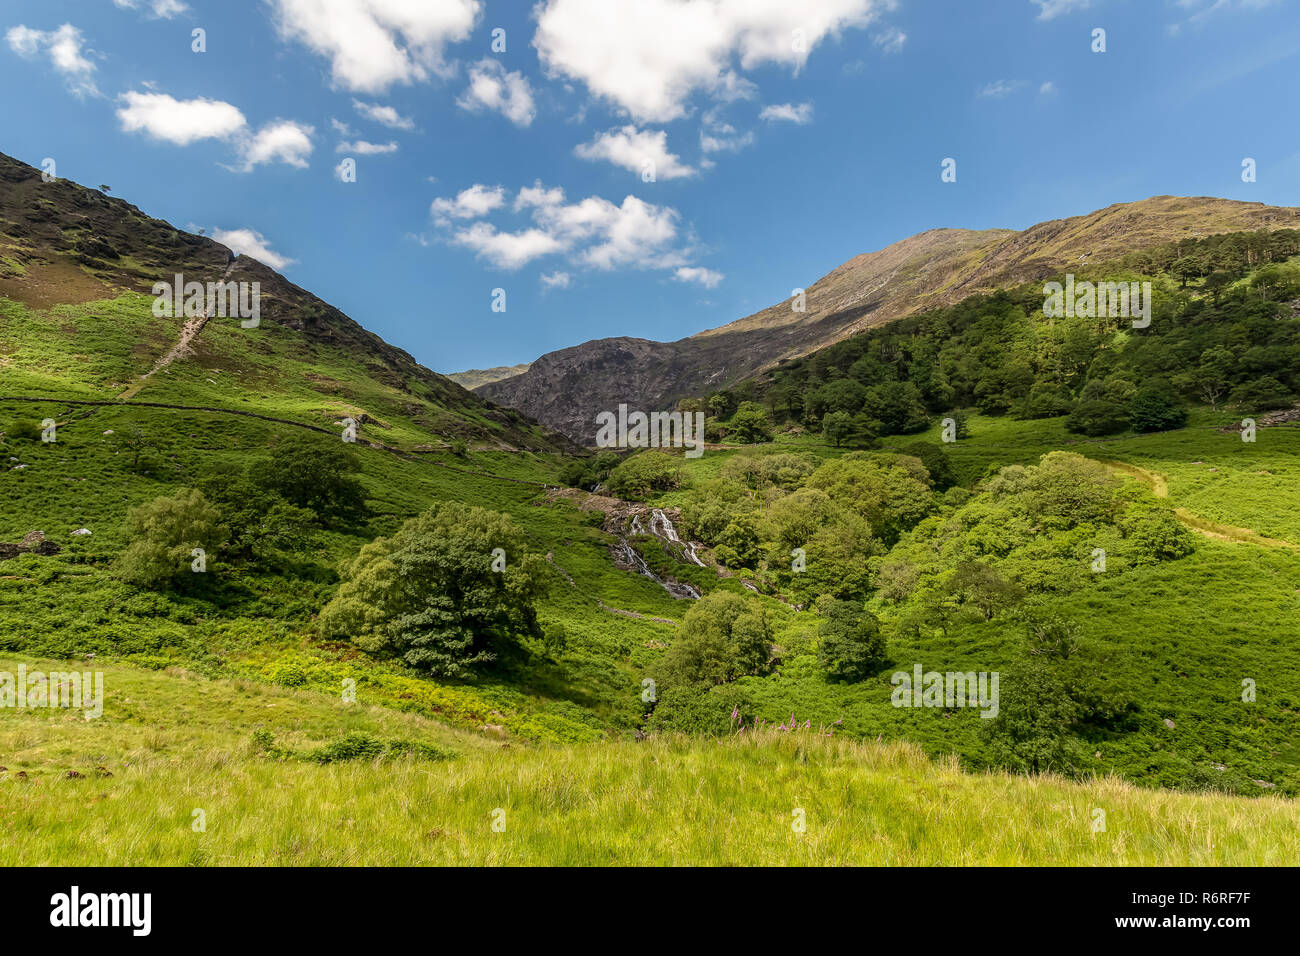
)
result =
(661, 527)
(657, 518)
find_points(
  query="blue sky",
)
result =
(776, 154)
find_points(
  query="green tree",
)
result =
(886, 494)
(841, 395)
(163, 534)
(750, 424)
(258, 522)
(555, 638)
(837, 427)
(431, 594)
(1098, 417)
(723, 636)
(936, 462)
(1155, 408)
(852, 647)
(897, 406)
(315, 474)
(979, 584)
(645, 473)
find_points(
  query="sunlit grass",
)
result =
(670, 800)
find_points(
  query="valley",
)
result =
(665, 641)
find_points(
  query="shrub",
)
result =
(1263, 394)
(750, 424)
(23, 429)
(1155, 408)
(555, 638)
(164, 533)
(1098, 417)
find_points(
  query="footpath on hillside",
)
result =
(1159, 486)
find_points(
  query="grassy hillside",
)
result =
(158, 756)
(474, 377)
(225, 689)
(76, 276)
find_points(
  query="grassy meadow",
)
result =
(669, 800)
(225, 695)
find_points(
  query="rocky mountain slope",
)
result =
(565, 389)
(78, 267)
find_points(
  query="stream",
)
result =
(661, 527)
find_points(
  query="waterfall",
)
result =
(662, 528)
(657, 518)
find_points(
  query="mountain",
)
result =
(474, 377)
(566, 388)
(77, 269)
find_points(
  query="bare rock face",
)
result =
(33, 542)
(566, 389)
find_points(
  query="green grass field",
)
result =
(193, 676)
(670, 800)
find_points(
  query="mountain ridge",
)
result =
(933, 268)
(68, 246)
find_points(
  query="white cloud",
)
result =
(249, 242)
(340, 127)
(363, 148)
(372, 44)
(25, 41)
(537, 196)
(648, 58)
(282, 140)
(800, 113)
(179, 121)
(593, 232)
(1201, 10)
(507, 250)
(182, 122)
(1051, 9)
(64, 47)
(492, 88)
(472, 203)
(723, 138)
(383, 114)
(1047, 89)
(556, 280)
(890, 40)
(1000, 88)
(636, 233)
(705, 277)
(632, 149)
(164, 9)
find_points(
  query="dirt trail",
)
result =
(189, 332)
(1159, 486)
